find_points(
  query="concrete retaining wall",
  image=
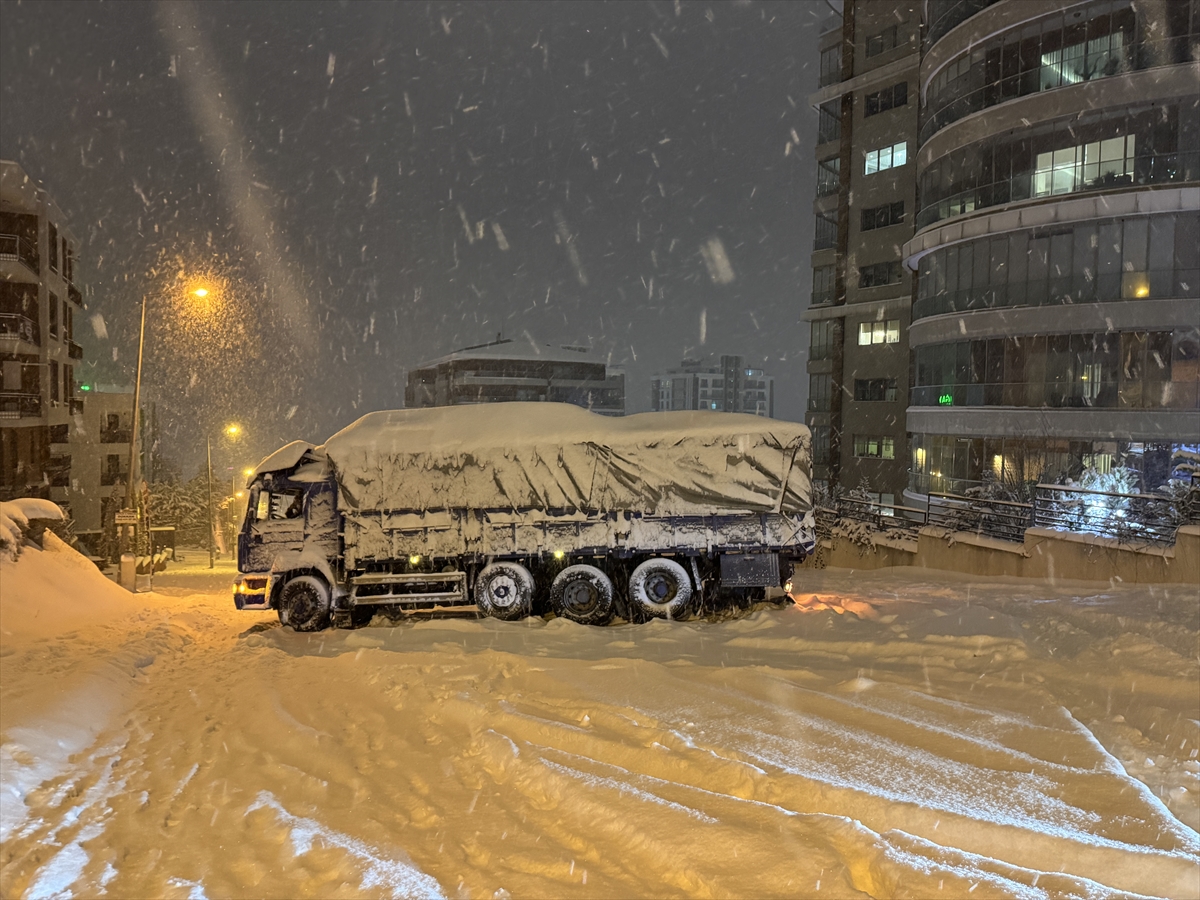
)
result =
(1045, 554)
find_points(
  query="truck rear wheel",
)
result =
(504, 590)
(582, 594)
(661, 588)
(304, 603)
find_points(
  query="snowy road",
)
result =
(1036, 742)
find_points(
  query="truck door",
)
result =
(276, 523)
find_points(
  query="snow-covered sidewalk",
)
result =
(900, 738)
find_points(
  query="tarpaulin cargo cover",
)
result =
(513, 456)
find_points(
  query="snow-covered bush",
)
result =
(25, 518)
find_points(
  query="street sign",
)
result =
(126, 517)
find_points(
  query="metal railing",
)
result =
(14, 405)
(1129, 518)
(13, 246)
(74, 351)
(19, 327)
(1002, 519)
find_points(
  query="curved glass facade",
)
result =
(1098, 41)
(944, 462)
(944, 15)
(1130, 370)
(1095, 261)
(1093, 151)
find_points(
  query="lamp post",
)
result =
(233, 432)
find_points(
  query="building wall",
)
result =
(860, 311)
(467, 379)
(39, 304)
(726, 386)
(1058, 250)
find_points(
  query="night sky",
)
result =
(375, 185)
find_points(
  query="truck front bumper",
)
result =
(252, 591)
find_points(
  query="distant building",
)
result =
(506, 370)
(727, 386)
(39, 301)
(98, 448)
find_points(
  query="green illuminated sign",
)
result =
(946, 400)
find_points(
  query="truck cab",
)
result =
(290, 524)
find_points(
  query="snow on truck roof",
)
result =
(559, 456)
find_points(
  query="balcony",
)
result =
(14, 246)
(109, 477)
(16, 327)
(15, 405)
(74, 350)
(115, 435)
(76, 404)
(75, 295)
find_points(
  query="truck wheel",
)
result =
(582, 594)
(661, 587)
(304, 603)
(504, 590)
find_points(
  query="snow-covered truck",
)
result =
(521, 508)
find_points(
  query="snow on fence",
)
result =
(1129, 518)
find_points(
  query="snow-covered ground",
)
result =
(898, 737)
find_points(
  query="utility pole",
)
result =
(212, 543)
(133, 434)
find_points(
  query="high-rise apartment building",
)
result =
(727, 385)
(1057, 241)
(39, 303)
(1032, 168)
(861, 292)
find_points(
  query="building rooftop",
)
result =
(507, 348)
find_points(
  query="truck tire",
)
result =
(582, 594)
(661, 588)
(304, 603)
(504, 590)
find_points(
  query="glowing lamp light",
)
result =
(558, 554)
(233, 430)
(415, 559)
(200, 292)
(248, 472)
(1143, 291)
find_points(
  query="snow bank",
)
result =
(558, 456)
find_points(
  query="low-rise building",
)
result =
(39, 301)
(507, 370)
(726, 385)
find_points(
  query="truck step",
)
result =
(404, 589)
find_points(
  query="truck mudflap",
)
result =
(252, 591)
(414, 590)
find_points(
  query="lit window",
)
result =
(886, 158)
(879, 332)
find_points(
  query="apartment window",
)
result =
(59, 434)
(886, 158)
(883, 41)
(874, 447)
(111, 473)
(880, 274)
(888, 98)
(828, 176)
(879, 332)
(53, 246)
(831, 65)
(823, 285)
(826, 233)
(820, 445)
(68, 262)
(53, 316)
(1095, 164)
(829, 122)
(883, 216)
(821, 338)
(54, 393)
(819, 393)
(874, 389)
